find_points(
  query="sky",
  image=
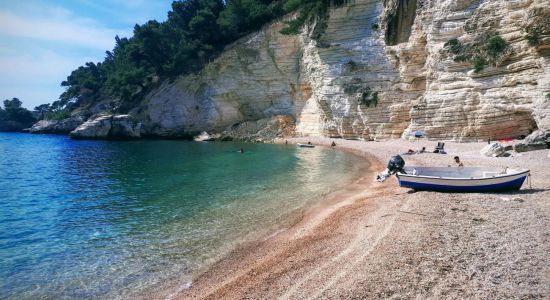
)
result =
(42, 41)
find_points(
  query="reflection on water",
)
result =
(99, 219)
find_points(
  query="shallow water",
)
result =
(105, 219)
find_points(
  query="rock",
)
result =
(522, 147)
(57, 126)
(107, 126)
(538, 140)
(205, 137)
(493, 150)
(43, 126)
(98, 127)
(263, 130)
(122, 126)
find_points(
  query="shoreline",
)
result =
(300, 222)
(380, 240)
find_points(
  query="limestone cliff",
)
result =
(379, 69)
(255, 78)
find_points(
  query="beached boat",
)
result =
(306, 145)
(462, 179)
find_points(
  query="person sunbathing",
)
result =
(411, 151)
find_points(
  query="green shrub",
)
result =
(453, 46)
(369, 98)
(479, 63)
(57, 115)
(309, 11)
(533, 36)
(496, 46)
(294, 26)
(486, 49)
(374, 26)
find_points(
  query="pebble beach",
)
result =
(377, 240)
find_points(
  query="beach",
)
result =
(377, 240)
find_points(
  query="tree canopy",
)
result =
(13, 117)
(195, 32)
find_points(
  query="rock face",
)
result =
(376, 69)
(498, 102)
(108, 126)
(57, 126)
(253, 79)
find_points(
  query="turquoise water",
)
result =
(106, 219)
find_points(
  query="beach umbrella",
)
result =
(419, 133)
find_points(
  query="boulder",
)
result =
(205, 137)
(493, 150)
(537, 140)
(94, 128)
(108, 126)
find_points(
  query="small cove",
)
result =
(106, 219)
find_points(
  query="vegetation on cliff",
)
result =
(309, 11)
(195, 32)
(486, 49)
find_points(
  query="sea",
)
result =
(115, 219)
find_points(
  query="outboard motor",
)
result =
(395, 165)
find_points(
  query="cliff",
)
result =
(375, 70)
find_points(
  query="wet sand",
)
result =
(374, 240)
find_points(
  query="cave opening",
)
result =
(400, 21)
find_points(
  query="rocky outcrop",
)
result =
(263, 130)
(64, 126)
(108, 126)
(375, 70)
(536, 141)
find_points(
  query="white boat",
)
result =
(462, 179)
(306, 145)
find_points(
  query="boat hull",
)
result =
(491, 184)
